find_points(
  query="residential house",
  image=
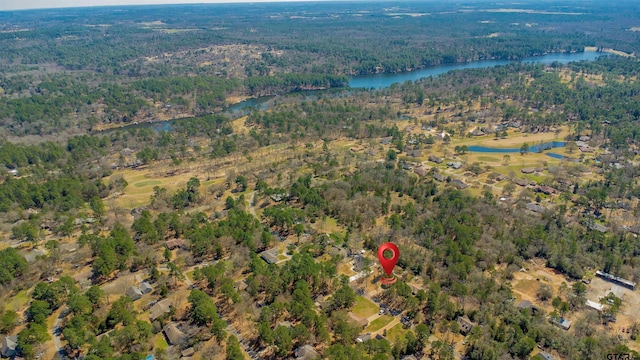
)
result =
(270, 256)
(188, 352)
(306, 352)
(359, 263)
(594, 305)
(584, 138)
(547, 190)
(598, 227)
(364, 337)
(406, 166)
(561, 322)
(616, 280)
(372, 152)
(439, 177)
(9, 345)
(528, 170)
(414, 153)
(134, 293)
(421, 171)
(279, 197)
(521, 182)
(337, 251)
(546, 356)
(159, 309)
(536, 208)
(465, 325)
(409, 357)
(386, 140)
(145, 287)
(435, 159)
(459, 184)
(526, 304)
(174, 335)
(174, 244)
(362, 322)
(454, 164)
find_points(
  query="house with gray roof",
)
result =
(159, 309)
(134, 293)
(9, 345)
(145, 287)
(306, 352)
(270, 256)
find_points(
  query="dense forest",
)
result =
(76, 69)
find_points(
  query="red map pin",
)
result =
(388, 264)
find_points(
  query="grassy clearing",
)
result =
(160, 343)
(19, 301)
(147, 183)
(397, 333)
(379, 323)
(364, 308)
(488, 159)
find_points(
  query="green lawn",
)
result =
(147, 183)
(379, 323)
(397, 332)
(364, 308)
(337, 237)
(160, 343)
(19, 301)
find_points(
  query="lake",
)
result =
(532, 148)
(380, 81)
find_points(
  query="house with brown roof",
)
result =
(459, 184)
(421, 171)
(174, 335)
(306, 352)
(362, 322)
(547, 190)
(465, 324)
(174, 244)
(521, 182)
(439, 177)
(159, 309)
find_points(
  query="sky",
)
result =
(40, 4)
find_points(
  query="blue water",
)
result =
(532, 149)
(380, 81)
(556, 156)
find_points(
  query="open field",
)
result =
(19, 301)
(364, 308)
(379, 323)
(397, 333)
